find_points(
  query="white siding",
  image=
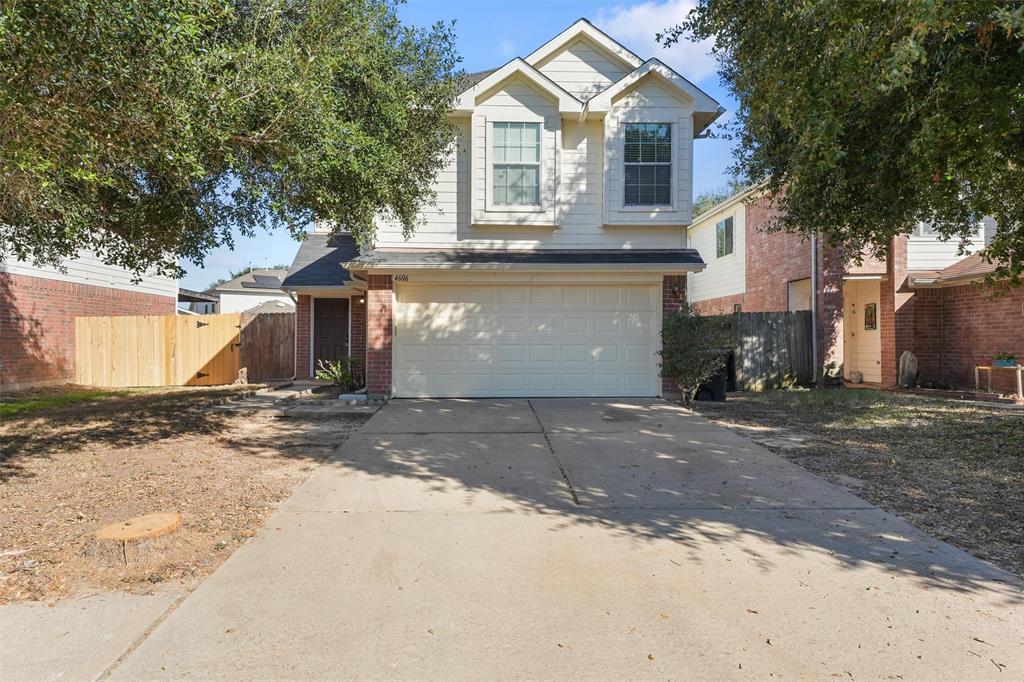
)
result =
(725, 276)
(581, 69)
(648, 102)
(929, 253)
(577, 191)
(88, 269)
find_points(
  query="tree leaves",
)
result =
(150, 131)
(873, 117)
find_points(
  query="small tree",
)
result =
(694, 348)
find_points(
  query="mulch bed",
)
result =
(953, 469)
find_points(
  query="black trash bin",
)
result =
(715, 388)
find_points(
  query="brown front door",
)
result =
(330, 330)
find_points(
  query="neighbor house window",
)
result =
(648, 159)
(723, 237)
(515, 151)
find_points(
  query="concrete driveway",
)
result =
(582, 539)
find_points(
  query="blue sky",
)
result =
(488, 34)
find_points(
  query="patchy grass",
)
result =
(954, 469)
(35, 400)
(70, 468)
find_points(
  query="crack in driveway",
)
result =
(551, 449)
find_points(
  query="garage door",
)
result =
(526, 340)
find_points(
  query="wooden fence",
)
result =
(772, 350)
(180, 350)
(268, 345)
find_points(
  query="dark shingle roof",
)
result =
(537, 257)
(318, 262)
(470, 79)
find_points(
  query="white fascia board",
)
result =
(702, 102)
(667, 268)
(582, 27)
(567, 104)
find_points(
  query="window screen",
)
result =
(648, 164)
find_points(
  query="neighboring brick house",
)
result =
(925, 298)
(556, 245)
(38, 307)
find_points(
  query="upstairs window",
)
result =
(723, 237)
(648, 160)
(515, 150)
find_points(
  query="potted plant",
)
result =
(1005, 360)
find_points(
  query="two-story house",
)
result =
(557, 240)
(925, 297)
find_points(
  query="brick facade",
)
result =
(37, 323)
(959, 327)
(773, 260)
(302, 338)
(723, 305)
(358, 341)
(673, 298)
(378, 334)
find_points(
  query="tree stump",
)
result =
(134, 537)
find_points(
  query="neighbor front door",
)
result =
(330, 330)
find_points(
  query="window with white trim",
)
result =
(515, 154)
(723, 237)
(648, 164)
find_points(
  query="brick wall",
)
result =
(723, 305)
(37, 323)
(773, 261)
(831, 266)
(302, 329)
(673, 298)
(957, 328)
(378, 334)
(358, 327)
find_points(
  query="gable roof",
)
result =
(567, 103)
(582, 28)
(703, 103)
(705, 108)
(260, 279)
(318, 263)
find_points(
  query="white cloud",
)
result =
(507, 49)
(636, 25)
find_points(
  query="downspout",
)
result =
(814, 308)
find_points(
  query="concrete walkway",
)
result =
(582, 539)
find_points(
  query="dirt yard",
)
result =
(951, 468)
(72, 465)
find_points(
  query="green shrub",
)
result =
(346, 373)
(694, 348)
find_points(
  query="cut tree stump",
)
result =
(143, 527)
(140, 540)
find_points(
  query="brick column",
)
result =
(896, 312)
(302, 328)
(358, 340)
(378, 334)
(673, 298)
(831, 265)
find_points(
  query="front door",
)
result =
(330, 330)
(861, 333)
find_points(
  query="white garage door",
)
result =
(526, 340)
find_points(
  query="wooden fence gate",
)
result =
(181, 350)
(268, 345)
(772, 350)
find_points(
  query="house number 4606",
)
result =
(401, 278)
